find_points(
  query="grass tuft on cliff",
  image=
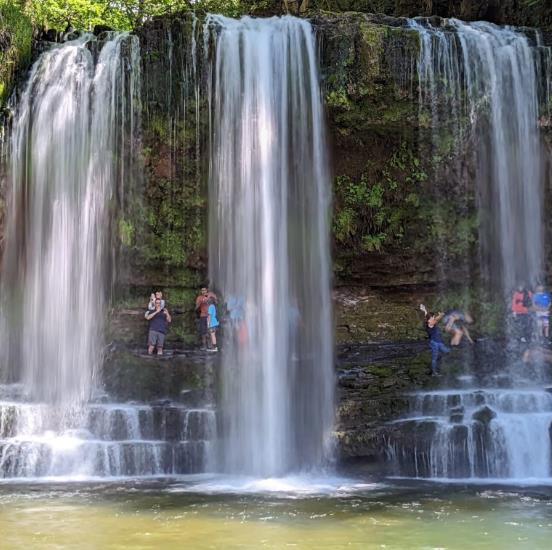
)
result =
(16, 34)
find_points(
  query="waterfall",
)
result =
(485, 84)
(269, 244)
(481, 81)
(66, 152)
(71, 154)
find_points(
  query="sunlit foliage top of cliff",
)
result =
(123, 14)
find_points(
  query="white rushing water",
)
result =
(104, 440)
(71, 140)
(67, 137)
(476, 433)
(269, 246)
(481, 83)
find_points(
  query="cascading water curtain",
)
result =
(66, 151)
(269, 245)
(481, 80)
(484, 84)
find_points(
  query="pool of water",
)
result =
(213, 514)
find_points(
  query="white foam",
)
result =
(293, 486)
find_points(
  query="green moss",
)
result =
(372, 212)
(338, 99)
(381, 371)
(371, 52)
(159, 126)
(126, 232)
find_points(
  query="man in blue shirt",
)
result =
(159, 320)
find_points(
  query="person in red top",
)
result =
(521, 304)
(202, 311)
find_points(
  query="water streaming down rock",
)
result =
(69, 130)
(480, 82)
(103, 440)
(475, 433)
(269, 246)
(485, 84)
(72, 139)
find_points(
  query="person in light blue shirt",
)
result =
(541, 306)
(212, 324)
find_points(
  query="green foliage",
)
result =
(126, 232)
(81, 14)
(166, 226)
(125, 14)
(373, 211)
(15, 44)
(452, 233)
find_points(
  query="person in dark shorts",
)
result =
(159, 320)
(435, 339)
(202, 310)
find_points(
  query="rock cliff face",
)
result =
(394, 198)
(385, 190)
(536, 13)
(392, 202)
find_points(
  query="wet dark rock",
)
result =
(161, 381)
(71, 35)
(454, 401)
(99, 29)
(504, 381)
(479, 398)
(484, 415)
(51, 35)
(161, 403)
(457, 415)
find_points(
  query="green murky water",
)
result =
(163, 515)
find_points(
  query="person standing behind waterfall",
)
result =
(156, 296)
(522, 300)
(212, 324)
(541, 305)
(202, 309)
(159, 320)
(435, 339)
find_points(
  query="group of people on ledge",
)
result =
(531, 313)
(206, 318)
(159, 320)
